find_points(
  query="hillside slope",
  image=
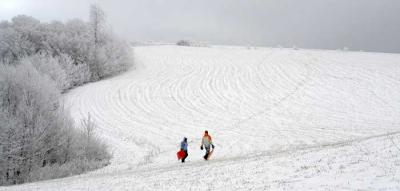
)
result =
(280, 119)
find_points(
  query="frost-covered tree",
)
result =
(51, 67)
(109, 55)
(90, 142)
(24, 36)
(97, 27)
(31, 101)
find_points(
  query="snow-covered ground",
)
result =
(280, 119)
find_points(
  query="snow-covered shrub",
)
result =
(63, 170)
(60, 69)
(191, 43)
(78, 74)
(183, 43)
(115, 57)
(85, 152)
(93, 147)
(51, 67)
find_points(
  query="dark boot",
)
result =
(186, 155)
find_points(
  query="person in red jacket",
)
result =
(207, 143)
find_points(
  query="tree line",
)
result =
(39, 61)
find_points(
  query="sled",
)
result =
(180, 154)
(209, 154)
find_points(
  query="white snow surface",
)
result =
(281, 119)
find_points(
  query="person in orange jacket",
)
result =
(206, 142)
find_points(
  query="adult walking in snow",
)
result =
(207, 142)
(183, 153)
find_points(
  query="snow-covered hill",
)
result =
(280, 119)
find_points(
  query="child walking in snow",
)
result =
(184, 148)
(206, 142)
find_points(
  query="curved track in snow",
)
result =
(252, 101)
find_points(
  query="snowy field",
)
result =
(280, 119)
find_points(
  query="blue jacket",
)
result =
(184, 145)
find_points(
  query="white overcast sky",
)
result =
(370, 25)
